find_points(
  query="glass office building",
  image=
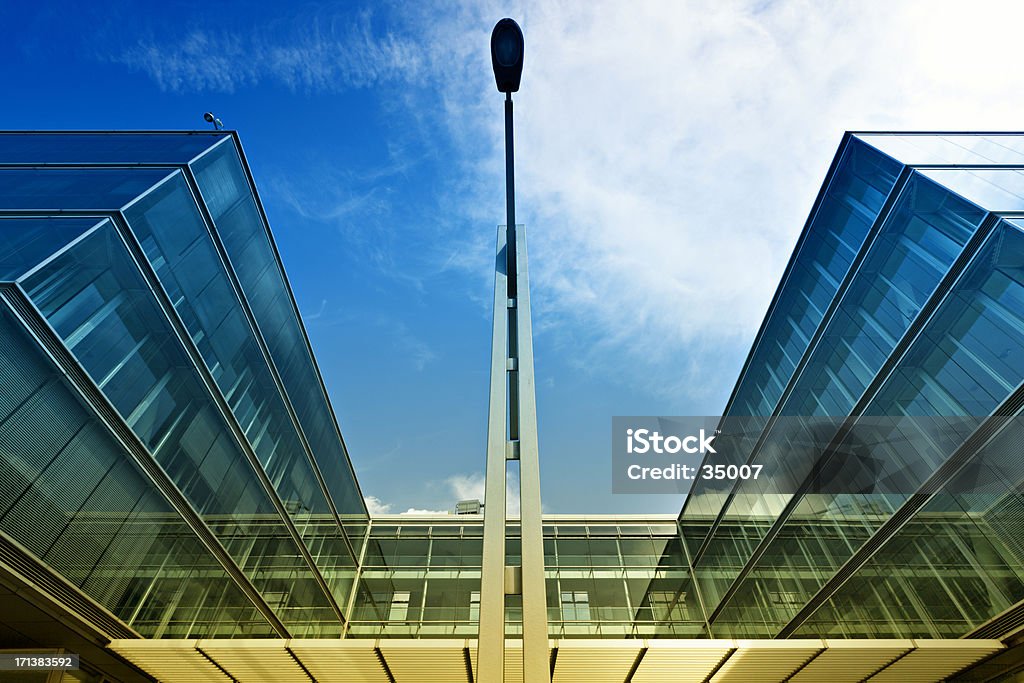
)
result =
(161, 409)
(176, 500)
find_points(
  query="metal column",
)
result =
(512, 435)
(535, 609)
(491, 646)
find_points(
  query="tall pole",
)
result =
(511, 271)
(512, 426)
(510, 200)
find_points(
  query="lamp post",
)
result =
(512, 425)
(507, 61)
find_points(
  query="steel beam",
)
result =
(535, 611)
(491, 651)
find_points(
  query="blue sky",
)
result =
(667, 155)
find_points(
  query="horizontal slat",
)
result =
(598, 661)
(426, 661)
(850, 661)
(934, 660)
(340, 661)
(767, 660)
(172, 661)
(681, 661)
(578, 661)
(254, 660)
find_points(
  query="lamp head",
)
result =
(507, 55)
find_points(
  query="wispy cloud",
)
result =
(319, 312)
(364, 206)
(408, 344)
(668, 153)
(311, 53)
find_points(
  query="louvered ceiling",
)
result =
(582, 661)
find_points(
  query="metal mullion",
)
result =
(140, 131)
(974, 133)
(209, 149)
(176, 170)
(137, 254)
(61, 251)
(353, 592)
(693, 578)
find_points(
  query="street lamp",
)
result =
(512, 429)
(507, 61)
(507, 55)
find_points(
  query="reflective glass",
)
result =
(64, 188)
(27, 242)
(227, 193)
(128, 148)
(962, 364)
(918, 242)
(862, 181)
(175, 240)
(950, 148)
(96, 300)
(995, 189)
(418, 581)
(71, 496)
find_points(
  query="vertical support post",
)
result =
(535, 610)
(510, 201)
(491, 640)
(512, 428)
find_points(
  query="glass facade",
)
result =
(118, 256)
(168, 449)
(922, 318)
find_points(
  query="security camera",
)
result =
(209, 117)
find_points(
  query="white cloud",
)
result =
(471, 487)
(314, 52)
(376, 506)
(457, 487)
(668, 153)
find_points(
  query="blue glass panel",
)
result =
(966, 361)
(855, 195)
(62, 188)
(953, 149)
(97, 301)
(175, 240)
(26, 242)
(995, 189)
(72, 497)
(105, 148)
(226, 192)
